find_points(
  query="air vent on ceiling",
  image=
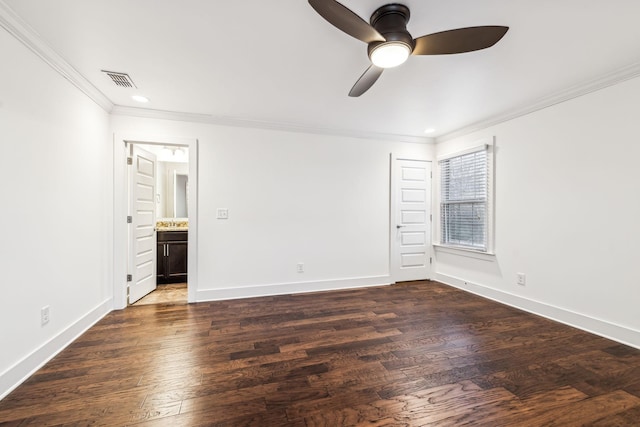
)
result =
(120, 79)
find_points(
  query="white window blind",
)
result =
(464, 200)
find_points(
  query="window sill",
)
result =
(469, 253)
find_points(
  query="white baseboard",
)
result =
(621, 334)
(18, 373)
(290, 288)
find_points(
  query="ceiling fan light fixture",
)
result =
(390, 54)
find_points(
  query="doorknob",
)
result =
(400, 226)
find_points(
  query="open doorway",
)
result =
(158, 185)
(121, 152)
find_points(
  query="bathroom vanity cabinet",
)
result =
(172, 256)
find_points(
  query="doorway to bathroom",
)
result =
(158, 233)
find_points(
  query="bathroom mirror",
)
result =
(172, 190)
(180, 193)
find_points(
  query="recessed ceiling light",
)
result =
(140, 98)
(429, 130)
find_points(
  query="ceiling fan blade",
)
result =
(366, 80)
(344, 19)
(459, 40)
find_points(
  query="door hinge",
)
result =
(431, 217)
(129, 277)
(431, 174)
(129, 160)
(430, 260)
(129, 219)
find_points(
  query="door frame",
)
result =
(120, 212)
(393, 252)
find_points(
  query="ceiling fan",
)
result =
(390, 44)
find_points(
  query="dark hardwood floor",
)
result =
(413, 354)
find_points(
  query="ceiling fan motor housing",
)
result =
(391, 21)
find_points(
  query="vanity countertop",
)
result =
(172, 224)
(172, 228)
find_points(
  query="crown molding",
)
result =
(263, 124)
(23, 32)
(19, 29)
(610, 79)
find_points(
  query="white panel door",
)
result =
(411, 220)
(142, 231)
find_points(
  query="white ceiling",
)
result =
(279, 62)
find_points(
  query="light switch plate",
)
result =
(222, 213)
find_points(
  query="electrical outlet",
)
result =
(522, 279)
(222, 213)
(300, 267)
(44, 315)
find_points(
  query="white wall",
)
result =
(567, 214)
(56, 211)
(292, 197)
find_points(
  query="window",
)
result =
(464, 199)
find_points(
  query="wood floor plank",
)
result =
(411, 354)
(585, 411)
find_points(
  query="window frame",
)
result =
(488, 146)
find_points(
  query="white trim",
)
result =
(466, 252)
(603, 328)
(392, 215)
(192, 245)
(264, 124)
(488, 144)
(484, 146)
(10, 21)
(19, 29)
(120, 239)
(23, 369)
(235, 292)
(609, 79)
